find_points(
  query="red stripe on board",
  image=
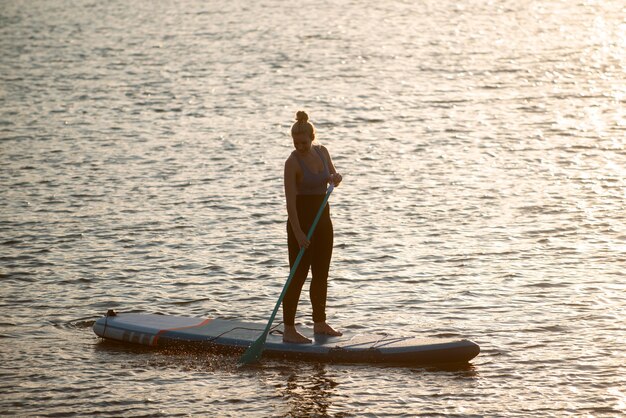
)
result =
(163, 331)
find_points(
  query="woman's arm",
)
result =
(335, 177)
(291, 191)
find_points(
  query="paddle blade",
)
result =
(253, 353)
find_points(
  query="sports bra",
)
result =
(313, 183)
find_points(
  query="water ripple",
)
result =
(482, 147)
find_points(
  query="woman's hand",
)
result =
(303, 242)
(335, 179)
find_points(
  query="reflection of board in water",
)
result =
(233, 337)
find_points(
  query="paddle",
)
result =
(253, 353)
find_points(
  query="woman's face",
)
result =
(302, 143)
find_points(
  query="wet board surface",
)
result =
(233, 337)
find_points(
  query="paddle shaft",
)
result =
(263, 336)
(297, 262)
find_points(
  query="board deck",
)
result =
(234, 337)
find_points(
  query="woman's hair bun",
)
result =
(301, 116)
(302, 125)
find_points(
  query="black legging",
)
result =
(317, 257)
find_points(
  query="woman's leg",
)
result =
(320, 266)
(292, 295)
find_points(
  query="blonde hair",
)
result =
(302, 125)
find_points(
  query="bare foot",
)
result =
(325, 329)
(291, 335)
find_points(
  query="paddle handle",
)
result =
(292, 272)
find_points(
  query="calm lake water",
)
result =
(483, 150)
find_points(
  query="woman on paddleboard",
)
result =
(308, 171)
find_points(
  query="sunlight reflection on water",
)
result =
(482, 147)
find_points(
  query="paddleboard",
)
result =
(233, 337)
